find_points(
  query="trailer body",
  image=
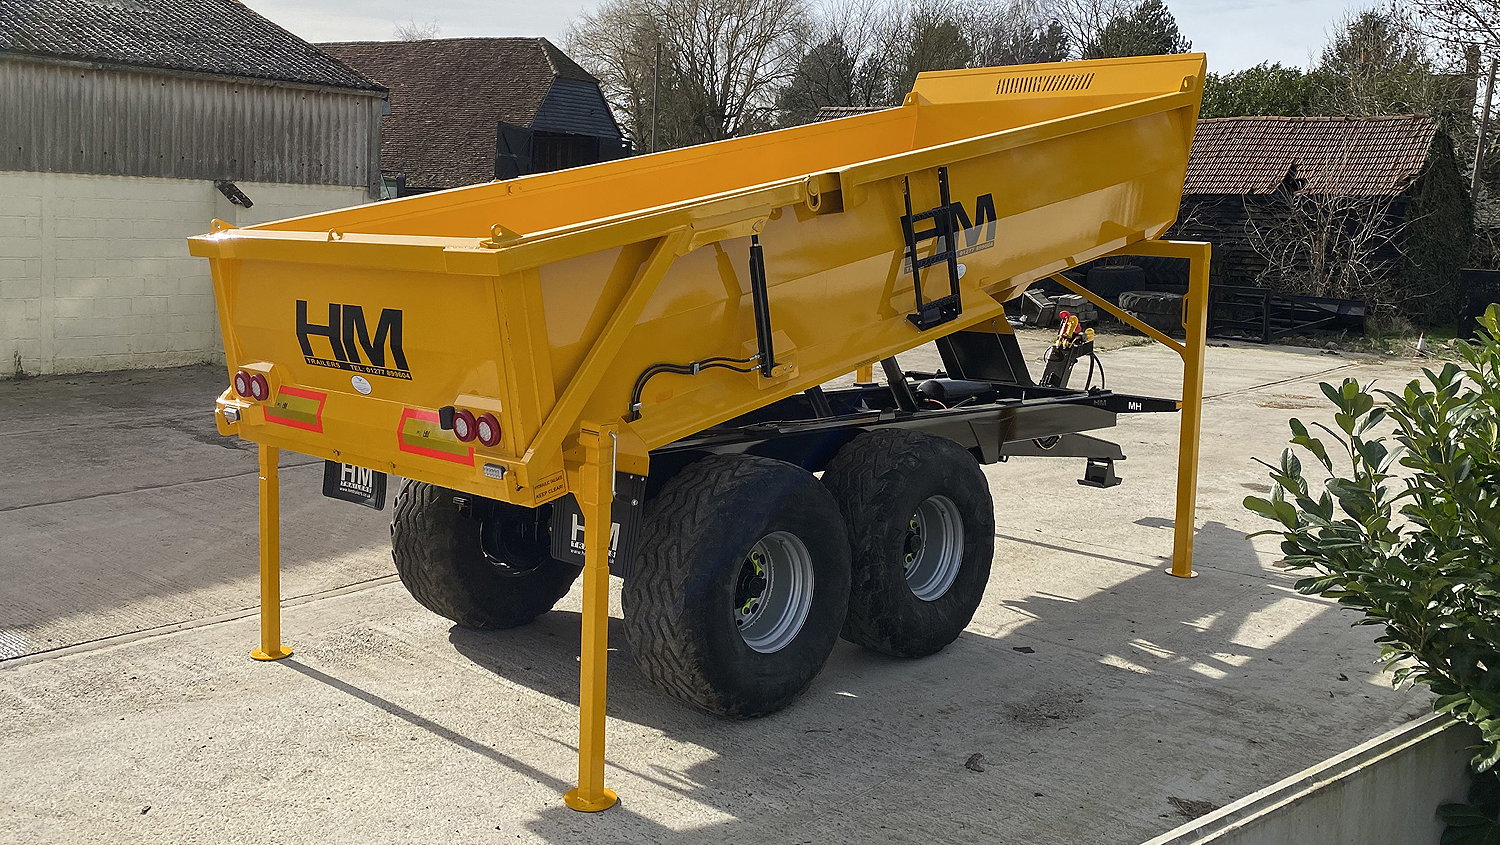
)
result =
(542, 299)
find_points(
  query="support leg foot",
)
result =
(262, 654)
(576, 800)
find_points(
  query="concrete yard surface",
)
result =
(1091, 700)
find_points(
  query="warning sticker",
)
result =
(298, 408)
(551, 487)
(419, 433)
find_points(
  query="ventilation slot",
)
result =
(1044, 84)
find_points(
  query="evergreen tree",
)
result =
(935, 39)
(1024, 46)
(828, 75)
(1268, 88)
(1148, 29)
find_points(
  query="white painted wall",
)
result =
(95, 273)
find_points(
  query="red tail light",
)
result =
(242, 383)
(260, 389)
(463, 425)
(487, 428)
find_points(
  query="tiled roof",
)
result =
(221, 37)
(836, 112)
(447, 95)
(1347, 156)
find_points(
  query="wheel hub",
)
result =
(750, 589)
(932, 551)
(773, 592)
(912, 548)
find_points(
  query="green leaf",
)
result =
(1447, 702)
(1261, 506)
(1332, 393)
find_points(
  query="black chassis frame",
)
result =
(1013, 416)
(1001, 414)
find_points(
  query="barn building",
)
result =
(125, 127)
(467, 110)
(1384, 193)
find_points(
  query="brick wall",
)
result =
(95, 273)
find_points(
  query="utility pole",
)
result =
(656, 91)
(1484, 125)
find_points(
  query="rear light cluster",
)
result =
(252, 386)
(485, 428)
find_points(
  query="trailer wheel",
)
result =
(483, 567)
(1160, 311)
(740, 586)
(919, 512)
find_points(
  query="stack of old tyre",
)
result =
(749, 569)
(1128, 286)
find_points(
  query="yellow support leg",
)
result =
(1191, 350)
(1195, 324)
(270, 559)
(595, 499)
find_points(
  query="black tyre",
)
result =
(484, 565)
(740, 586)
(1111, 280)
(922, 523)
(1160, 311)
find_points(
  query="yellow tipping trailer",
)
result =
(619, 366)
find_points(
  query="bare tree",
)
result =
(621, 43)
(1374, 63)
(1084, 20)
(703, 69)
(414, 31)
(847, 60)
(1456, 22)
(1333, 244)
(1007, 32)
(1471, 28)
(934, 35)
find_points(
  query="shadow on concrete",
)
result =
(124, 509)
(426, 724)
(1049, 685)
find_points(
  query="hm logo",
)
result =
(357, 479)
(576, 538)
(978, 232)
(348, 333)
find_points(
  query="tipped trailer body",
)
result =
(621, 367)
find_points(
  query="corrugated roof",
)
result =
(221, 37)
(448, 94)
(1347, 156)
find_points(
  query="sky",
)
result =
(1234, 33)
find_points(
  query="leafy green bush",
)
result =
(1406, 526)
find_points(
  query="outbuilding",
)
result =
(1372, 208)
(467, 110)
(127, 126)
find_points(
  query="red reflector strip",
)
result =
(299, 408)
(419, 433)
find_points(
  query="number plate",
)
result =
(354, 484)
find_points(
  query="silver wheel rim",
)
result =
(933, 550)
(773, 592)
